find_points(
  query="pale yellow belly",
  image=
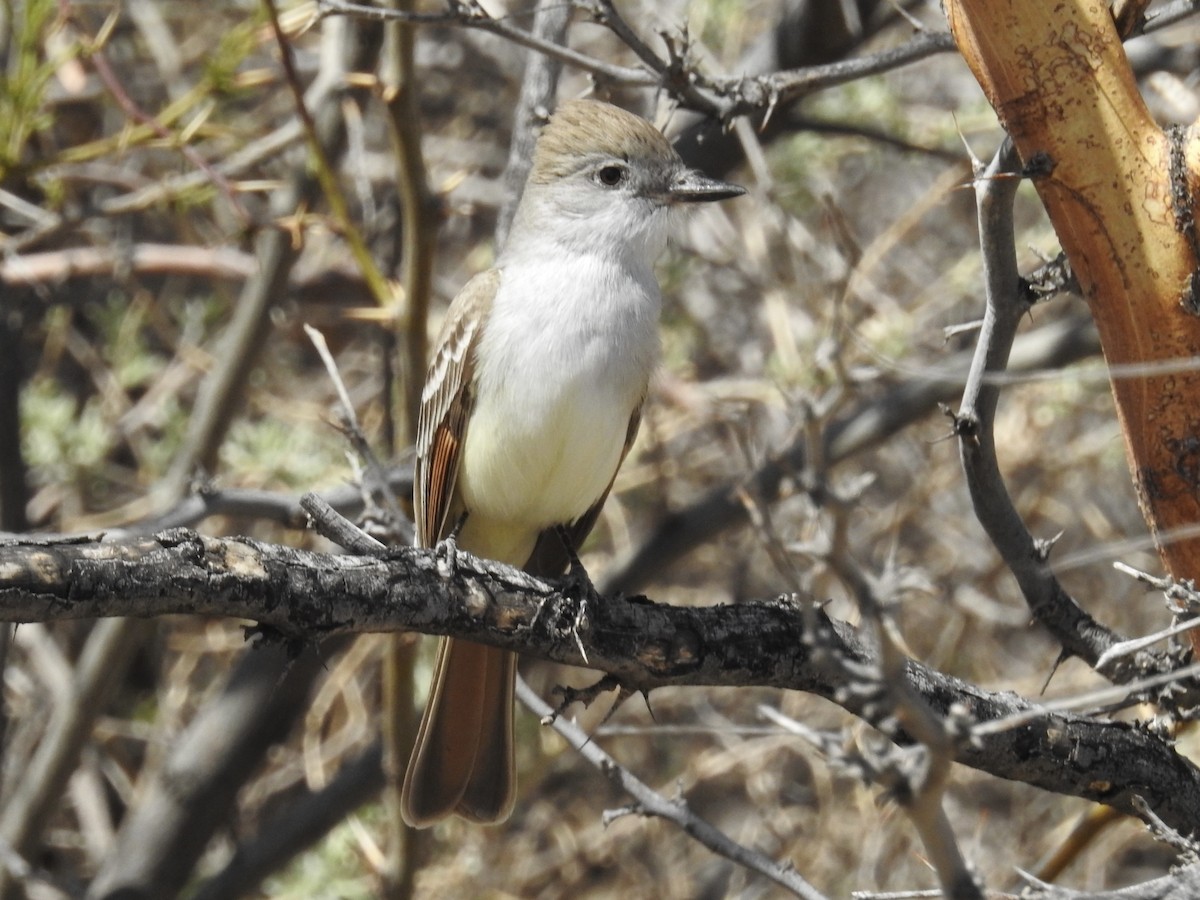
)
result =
(527, 466)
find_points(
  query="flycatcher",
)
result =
(532, 400)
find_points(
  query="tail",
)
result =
(463, 759)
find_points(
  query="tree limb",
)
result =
(305, 596)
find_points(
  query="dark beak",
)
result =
(695, 187)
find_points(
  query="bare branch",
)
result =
(1079, 634)
(722, 98)
(305, 596)
(472, 15)
(651, 803)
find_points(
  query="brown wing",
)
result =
(462, 761)
(446, 406)
(549, 557)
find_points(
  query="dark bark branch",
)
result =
(720, 98)
(1078, 633)
(306, 596)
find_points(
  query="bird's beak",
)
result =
(695, 187)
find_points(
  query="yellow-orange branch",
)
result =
(1057, 76)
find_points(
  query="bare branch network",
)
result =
(304, 597)
(720, 97)
(161, 803)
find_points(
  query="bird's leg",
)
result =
(576, 582)
(445, 551)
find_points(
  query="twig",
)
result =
(1078, 633)
(335, 527)
(651, 803)
(1118, 694)
(323, 169)
(671, 75)
(131, 109)
(722, 98)
(1133, 645)
(270, 506)
(1182, 884)
(1181, 595)
(766, 90)
(376, 482)
(1187, 846)
(469, 14)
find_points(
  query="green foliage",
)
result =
(23, 110)
(63, 440)
(220, 68)
(282, 453)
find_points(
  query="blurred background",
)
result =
(165, 238)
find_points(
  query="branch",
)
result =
(1078, 633)
(1060, 82)
(721, 98)
(91, 262)
(305, 596)
(471, 15)
(648, 802)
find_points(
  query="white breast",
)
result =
(561, 367)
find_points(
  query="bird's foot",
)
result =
(587, 696)
(445, 551)
(577, 587)
(576, 583)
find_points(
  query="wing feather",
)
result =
(446, 406)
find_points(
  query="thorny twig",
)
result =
(1079, 634)
(916, 777)
(649, 802)
(722, 98)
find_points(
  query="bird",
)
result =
(531, 402)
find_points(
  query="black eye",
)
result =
(610, 176)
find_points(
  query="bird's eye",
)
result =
(610, 176)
